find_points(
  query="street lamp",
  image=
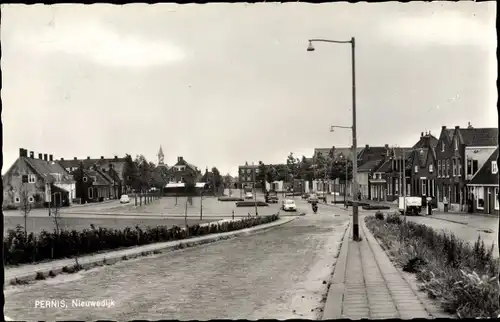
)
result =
(355, 226)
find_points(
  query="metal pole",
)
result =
(355, 226)
(254, 190)
(201, 204)
(404, 185)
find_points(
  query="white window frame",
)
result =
(431, 168)
(416, 169)
(456, 144)
(31, 199)
(494, 167)
(447, 168)
(496, 198)
(389, 189)
(17, 200)
(396, 186)
(454, 166)
(31, 178)
(459, 167)
(424, 187)
(91, 193)
(439, 169)
(479, 189)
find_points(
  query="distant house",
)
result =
(460, 153)
(93, 185)
(183, 172)
(371, 159)
(483, 187)
(114, 168)
(46, 181)
(248, 175)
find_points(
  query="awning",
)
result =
(175, 185)
(200, 184)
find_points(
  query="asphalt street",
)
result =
(278, 274)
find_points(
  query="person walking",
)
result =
(445, 203)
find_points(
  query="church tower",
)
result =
(160, 156)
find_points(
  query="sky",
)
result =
(225, 84)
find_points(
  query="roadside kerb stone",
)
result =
(28, 272)
(407, 302)
(335, 295)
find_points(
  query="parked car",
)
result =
(248, 195)
(124, 199)
(289, 205)
(272, 197)
(312, 197)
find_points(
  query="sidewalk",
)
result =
(366, 284)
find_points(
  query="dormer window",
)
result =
(31, 178)
(431, 168)
(494, 167)
(416, 169)
(442, 146)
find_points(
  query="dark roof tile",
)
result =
(484, 175)
(479, 136)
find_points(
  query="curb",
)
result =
(112, 257)
(335, 295)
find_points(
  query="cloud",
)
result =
(445, 28)
(102, 45)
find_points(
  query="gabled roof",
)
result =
(426, 141)
(118, 164)
(385, 167)
(346, 152)
(484, 175)
(479, 136)
(422, 156)
(100, 180)
(370, 165)
(45, 168)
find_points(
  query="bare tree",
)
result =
(55, 213)
(25, 206)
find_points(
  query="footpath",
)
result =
(366, 284)
(29, 272)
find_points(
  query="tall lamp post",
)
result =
(355, 226)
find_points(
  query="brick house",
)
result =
(423, 173)
(46, 181)
(113, 168)
(247, 175)
(93, 185)
(183, 172)
(483, 187)
(369, 160)
(460, 153)
(393, 173)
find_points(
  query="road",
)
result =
(275, 274)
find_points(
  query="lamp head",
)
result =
(310, 47)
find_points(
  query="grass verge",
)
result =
(462, 277)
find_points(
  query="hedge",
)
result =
(462, 277)
(376, 207)
(230, 199)
(251, 204)
(49, 245)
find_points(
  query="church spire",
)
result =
(160, 156)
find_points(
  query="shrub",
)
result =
(11, 207)
(462, 277)
(379, 215)
(39, 276)
(376, 207)
(19, 250)
(251, 204)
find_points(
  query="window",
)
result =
(469, 166)
(249, 171)
(84, 179)
(389, 188)
(30, 199)
(442, 146)
(459, 167)
(456, 144)
(447, 168)
(494, 167)
(424, 187)
(17, 200)
(454, 167)
(431, 167)
(496, 198)
(439, 168)
(480, 197)
(181, 179)
(416, 168)
(31, 178)
(91, 193)
(396, 186)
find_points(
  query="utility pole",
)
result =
(254, 190)
(404, 183)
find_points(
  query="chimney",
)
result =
(75, 158)
(102, 158)
(179, 159)
(40, 156)
(21, 152)
(88, 158)
(443, 127)
(457, 127)
(386, 146)
(421, 134)
(116, 157)
(469, 126)
(62, 159)
(367, 146)
(51, 158)
(45, 157)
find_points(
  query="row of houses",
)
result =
(459, 167)
(44, 181)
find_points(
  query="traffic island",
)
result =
(462, 278)
(207, 233)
